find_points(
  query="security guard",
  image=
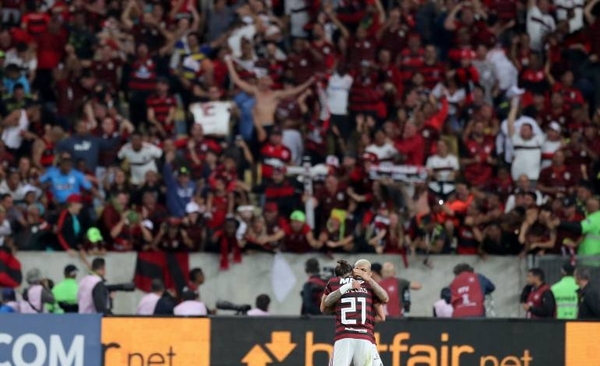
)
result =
(589, 227)
(565, 293)
(65, 292)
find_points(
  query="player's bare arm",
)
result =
(377, 290)
(336, 295)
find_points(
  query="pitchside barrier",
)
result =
(73, 340)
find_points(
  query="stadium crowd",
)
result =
(172, 125)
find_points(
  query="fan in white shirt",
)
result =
(570, 11)
(527, 145)
(338, 89)
(539, 23)
(442, 168)
(552, 144)
(190, 306)
(141, 157)
(522, 185)
(381, 147)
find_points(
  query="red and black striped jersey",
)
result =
(354, 312)
(142, 76)
(161, 105)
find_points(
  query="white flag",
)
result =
(283, 278)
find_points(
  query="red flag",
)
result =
(172, 268)
(10, 270)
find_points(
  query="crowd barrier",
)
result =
(261, 273)
(63, 340)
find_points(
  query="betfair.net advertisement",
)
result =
(156, 341)
(303, 342)
(72, 340)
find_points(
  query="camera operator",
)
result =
(262, 306)
(37, 294)
(93, 296)
(312, 291)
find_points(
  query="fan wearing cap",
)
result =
(337, 234)
(296, 235)
(8, 301)
(37, 294)
(558, 180)
(70, 230)
(65, 292)
(193, 221)
(180, 188)
(553, 143)
(12, 78)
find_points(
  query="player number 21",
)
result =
(352, 309)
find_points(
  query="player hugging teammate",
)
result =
(357, 301)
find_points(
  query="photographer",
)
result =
(93, 296)
(262, 306)
(312, 291)
(37, 294)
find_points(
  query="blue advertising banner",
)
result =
(50, 340)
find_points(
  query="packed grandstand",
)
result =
(401, 127)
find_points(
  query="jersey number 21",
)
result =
(352, 301)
